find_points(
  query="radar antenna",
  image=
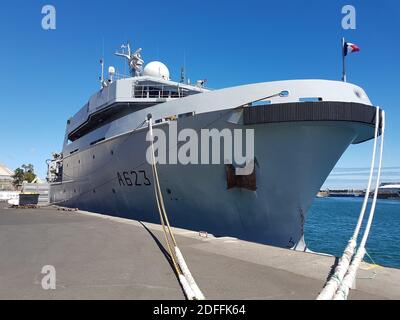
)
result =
(135, 60)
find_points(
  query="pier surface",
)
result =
(100, 257)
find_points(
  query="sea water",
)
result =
(331, 223)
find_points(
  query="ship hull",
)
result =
(292, 162)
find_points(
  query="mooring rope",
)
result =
(191, 289)
(343, 291)
(341, 269)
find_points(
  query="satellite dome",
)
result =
(156, 69)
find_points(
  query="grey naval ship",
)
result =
(301, 129)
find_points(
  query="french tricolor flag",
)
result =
(350, 48)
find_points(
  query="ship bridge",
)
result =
(124, 96)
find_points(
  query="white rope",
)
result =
(186, 272)
(343, 291)
(335, 280)
(186, 279)
(186, 287)
(367, 192)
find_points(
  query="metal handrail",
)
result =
(159, 91)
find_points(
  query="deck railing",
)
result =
(160, 91)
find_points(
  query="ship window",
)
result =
(154, 92)
(261, 103)
(106, 116)
(161, 91)
(97, 141)
(140, 92)
(185, 115)
(310, 99)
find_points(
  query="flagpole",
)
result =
(344, 78)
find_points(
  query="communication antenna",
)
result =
(102, 68)
(102, 73)
(183, 76)
(134, 59)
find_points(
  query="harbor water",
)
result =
(331, 223)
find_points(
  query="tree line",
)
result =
(25, 173)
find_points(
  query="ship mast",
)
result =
(135, 60)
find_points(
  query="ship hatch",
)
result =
(233, 180)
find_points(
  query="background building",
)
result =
(6, 179)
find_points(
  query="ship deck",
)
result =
(100, 257)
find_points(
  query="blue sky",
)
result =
(48, 75)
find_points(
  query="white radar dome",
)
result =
(111, 70)
(156, 69)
